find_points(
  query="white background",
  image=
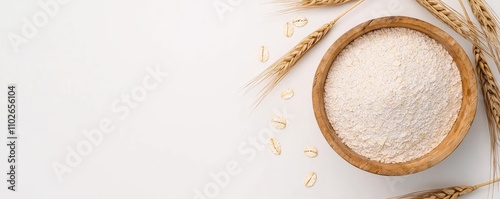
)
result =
(92, 53)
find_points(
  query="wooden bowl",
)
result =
(459, 129)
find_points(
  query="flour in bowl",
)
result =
(393, 94)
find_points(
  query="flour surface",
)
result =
(393, 94)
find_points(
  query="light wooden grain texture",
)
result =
(459, 129)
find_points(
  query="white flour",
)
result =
(393, 94)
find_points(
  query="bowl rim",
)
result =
(451, 141)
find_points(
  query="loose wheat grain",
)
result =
(300, 21)
(263, 54)
(288, 29)
(278, 122)
(287, 94)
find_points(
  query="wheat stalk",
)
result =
(491, 99)
(277, 71)
(296, 5)
(456, 21)
(489, 23)
(489, 86)
(448, 192)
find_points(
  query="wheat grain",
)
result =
(279, 69)
(275, 146)
(263, 54)
(310, 179)
(287, 94)
(278, 122)
(288, 29)
(448, 192)
(311, 151)
(300, 21)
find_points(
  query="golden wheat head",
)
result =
(456, 21)
(489, 23)
(296, 5)
(442, 193)
(279, 69)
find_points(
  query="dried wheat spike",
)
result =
(448, 193)
(490, 25)
(316, 3)
(489, 86)
(456, 21)
(491, 97)
(278, 70)
(296, 5)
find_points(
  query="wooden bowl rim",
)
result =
(459, 129)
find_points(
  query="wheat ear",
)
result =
(296, 5)
(456, 21)
(277, 71)
(448, 192)
(489, 86)
(489, 23)
(491, 99)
